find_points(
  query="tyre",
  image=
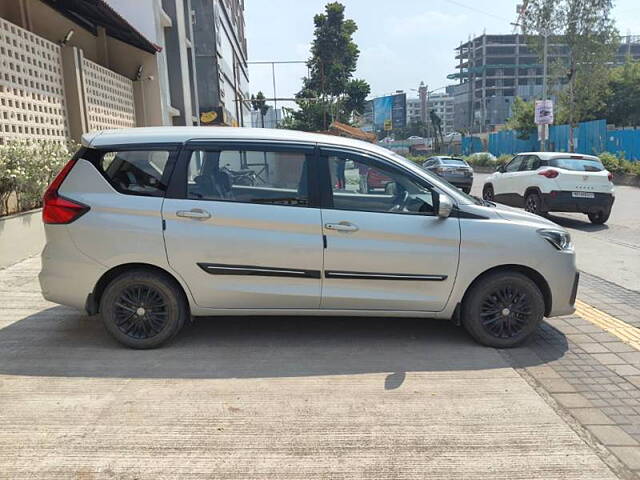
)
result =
(503, 309)
(487, 193)
(466, 190)
(533, 204)
(143, 309)
(600, 217)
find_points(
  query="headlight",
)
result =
(558, 238)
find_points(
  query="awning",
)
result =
(91, 14)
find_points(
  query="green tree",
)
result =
(623, 102)
(583, 35)
(329, 92)
(522, 118)
(259, 104)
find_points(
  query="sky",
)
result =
(402, 42)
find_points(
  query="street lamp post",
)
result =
(543, 137)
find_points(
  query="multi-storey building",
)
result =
(495, 69)
(441, 103)
(168, 24)
(221, 61)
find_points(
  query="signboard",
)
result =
(387, 113)
(544, 112)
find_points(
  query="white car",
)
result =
(147, 228)
(543, 182)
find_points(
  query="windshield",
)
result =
(437, 180)
(577, 164)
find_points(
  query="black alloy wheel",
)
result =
(487, 193)
(141, 312)
(505, 312)
(143, 308)
(502, 309)
(533, 204)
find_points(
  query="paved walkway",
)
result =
(308, 398)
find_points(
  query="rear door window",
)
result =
(265, 177)
(577, 164)
(137, 172)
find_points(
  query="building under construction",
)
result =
(495, 69)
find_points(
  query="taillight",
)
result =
(57, 209)
(610, 176)
(549, 173)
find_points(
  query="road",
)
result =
(610, 251)
(274, 398)
(331, 398)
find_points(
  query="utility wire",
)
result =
(477, 10)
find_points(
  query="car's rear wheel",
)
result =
(599, 217)
(503, 309)
(143, 309)
(533, 204)
(487, 193)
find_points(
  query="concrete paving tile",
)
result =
(572, 400)
(609, 359)
(630, 456)
(591, 416)
(580, 338)
(631, 357)
(603, 337)
(611, 435)
(556, 385)
(625, 370)
(635, 380)
(593, 348)
(619, 347)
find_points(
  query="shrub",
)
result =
(26, 169)
(480, 159)
(618, 164)
(504, 158)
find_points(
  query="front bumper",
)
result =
(558, 201)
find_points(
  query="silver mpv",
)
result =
(152, 226)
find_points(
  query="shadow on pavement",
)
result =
(63, 342)
(583, 225)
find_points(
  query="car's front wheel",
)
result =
(502, 309)
(143, 309)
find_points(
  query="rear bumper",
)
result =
(565, 202)
(458, 180)
(67, 275)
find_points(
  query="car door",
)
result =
(505, 183)
(386, 249)
(246, 241)
(527, 175)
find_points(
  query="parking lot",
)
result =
(329, 397)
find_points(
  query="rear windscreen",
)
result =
(577, 164)
(452, 161)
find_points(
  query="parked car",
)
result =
(543, 182)
(454, 170)
(145, 228)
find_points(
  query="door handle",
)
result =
(341, 227)
(197, 213)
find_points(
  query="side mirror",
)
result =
(445, 206)
(500, 168)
